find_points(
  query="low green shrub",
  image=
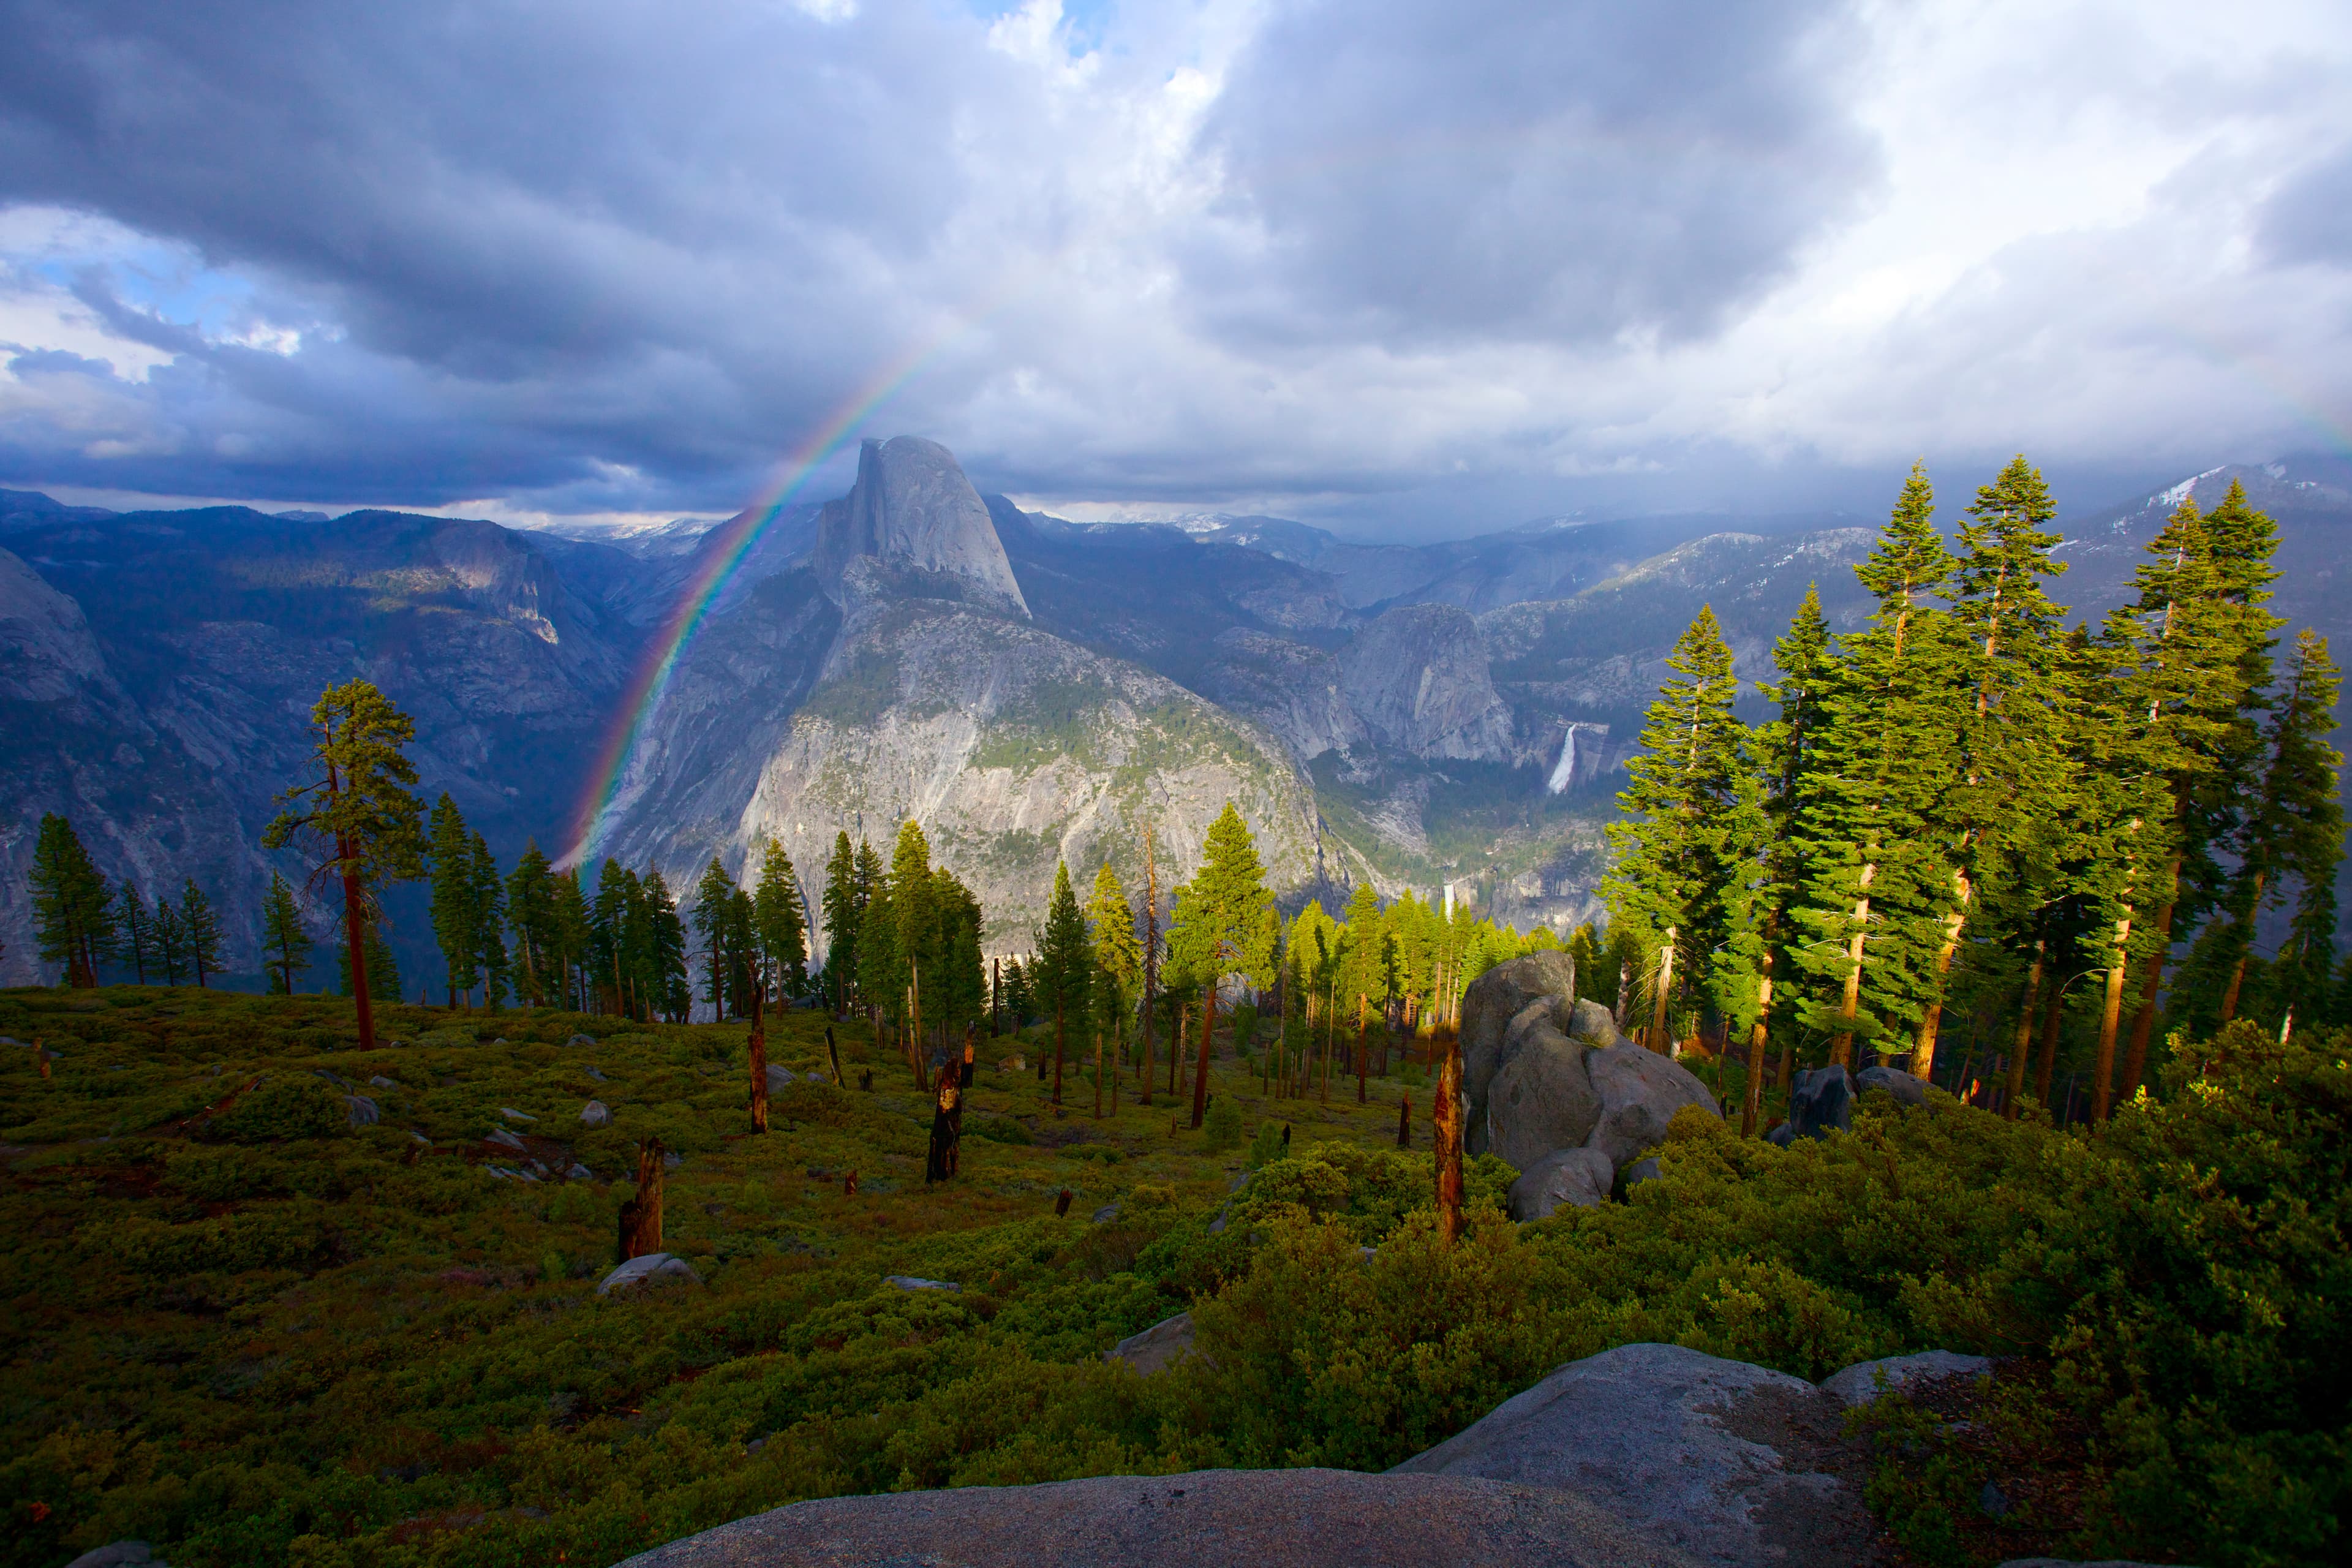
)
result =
(284, 1107)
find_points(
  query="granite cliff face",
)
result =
(157, 671)
(898, 673)
(913, 525)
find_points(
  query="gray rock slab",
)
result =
(778, 1077)
(1589, 1023)
(1640, 1091)
(1821, 1102)
(1738, 1466)
(506, 1140)
(595, 1114)
(1643, 1170)
(1206, 1518)
(117, 1554)
(1907, 1089)
(1492, 1001)
(512, 1114)
(1862, 1383)
(1156, 1346)
(912, 1282)
(360, 1110)
(652, 1267)
(1578, 1177)
(580, 1040)
(1543, 1099)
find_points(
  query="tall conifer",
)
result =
(1877, 884)
(1669, 877)
(285, 940)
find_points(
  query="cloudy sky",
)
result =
(1408, 268)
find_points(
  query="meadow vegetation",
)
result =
(259, 1335)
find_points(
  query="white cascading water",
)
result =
(1563, 772)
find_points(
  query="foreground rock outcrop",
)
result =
(1204, 1518)
(1646, 1454)
(1732, 1464)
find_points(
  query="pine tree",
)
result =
(607, 931)
(1063, 971)
(531, 913)
(917, 914)
(2013, 771)
(489, 900)
(202, 924)
(1118, 956)
(842, 915)
(666, 951)
(73, 913)
(172, 942)
(285, 940)
(2291, 834)
(714, 898)
(1218, 926)
(1667, 878)
(455, 920)
(958, 992)
(382, 970)
(782, 920)
(1877, 884)
(573, 939)
(138, 928)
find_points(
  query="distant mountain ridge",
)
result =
(1032, 689)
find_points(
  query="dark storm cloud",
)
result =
(636, 235)
(1573, 171)
(2309, 219)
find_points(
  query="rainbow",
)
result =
(722, 556)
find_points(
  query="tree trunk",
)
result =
(1448, 1126)
(759, 1067)
(1404, 1121)
(1363, 1056)
(2104, 1070)
(1841, 1043)
(354, 924)
(2046, 1064)
(1657, 1040)
(641, 1216)
(1923, 1049)
(1751, 1109)
(2023, 1045)
(2144, 1017)
(1208, 1031)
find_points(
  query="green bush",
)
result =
(1222, 1125)
(283, 1107)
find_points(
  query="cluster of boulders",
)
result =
(1549, 1086)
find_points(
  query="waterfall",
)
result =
(1563, 772)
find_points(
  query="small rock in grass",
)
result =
(672, 1160)
(1907, 1089)
(1105, 1214)
(379, 1081)
(580, 1040)
(117, 1554)
(1156, 1346)
(908, 1282)
(512, 1114)
(1579, 1178)
(506, 1140)
(1863, 1382)
(361, 1111)
(597, 1076)
(1641, 1171)
(595, 1114)
(654, 1267)
(420, 1138)
(579, 1172)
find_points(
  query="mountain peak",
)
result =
(916, 520)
